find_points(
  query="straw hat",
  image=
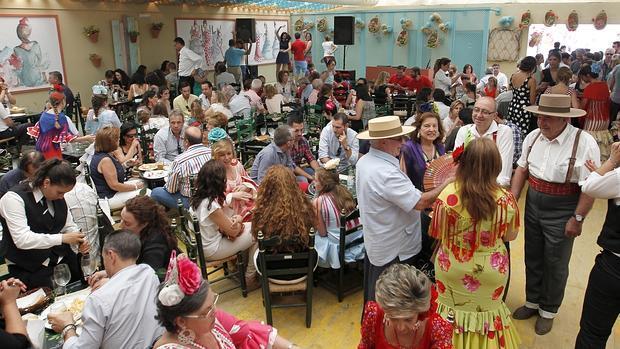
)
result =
(385, 127)
(555, 105)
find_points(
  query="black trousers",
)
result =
(372, 272)
(19, 132)
(601, 304)
(190, 81)
(43, 277)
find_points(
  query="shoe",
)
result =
(252, 284)
(543, 326)
(524, 313)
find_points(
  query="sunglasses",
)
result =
(209, 313)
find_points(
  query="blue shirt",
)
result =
(386, 199)
(270, 155)
(11, 179)
(233, 56)
(330, 147)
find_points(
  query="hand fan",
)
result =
(437, 172)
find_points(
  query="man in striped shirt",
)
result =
(184, 167)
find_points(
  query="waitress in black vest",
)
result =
(601, 304)
(38, 229)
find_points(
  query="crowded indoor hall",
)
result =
(371, 174)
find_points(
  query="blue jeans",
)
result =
(301, 68)
(162, 196)
(309, 170)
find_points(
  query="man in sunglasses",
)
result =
(339, 141)
(168, 142)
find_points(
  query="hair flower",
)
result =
(190, 277)
(456, 154)
(100, 90)
(170, 295)
(217, 134)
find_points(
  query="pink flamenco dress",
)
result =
(50, 135)
(232, 333)
(242, 182)
(471, 270)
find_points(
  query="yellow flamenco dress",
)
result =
(471, 269)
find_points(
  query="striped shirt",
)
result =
(186, 165)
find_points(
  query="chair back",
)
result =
(306, 260)
(349, 224)
(382, 110)
(246, 129)
(146, 143)
(189, 234)
(104, 227)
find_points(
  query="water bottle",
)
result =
(351, 179)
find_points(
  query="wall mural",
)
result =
(29, 50)
(207, 37)
(266, 48)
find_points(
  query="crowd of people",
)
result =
(436, 259)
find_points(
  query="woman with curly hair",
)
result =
(147, 219)
(283, 210)
(223, 233)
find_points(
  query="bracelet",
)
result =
(66, 329)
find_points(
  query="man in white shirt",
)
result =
(189, 62)
(205, 96)
(388, 201)
(484, 125)
(439, 96)
(183, 102)
(168, 142)
(553, 161)
(339, 141)
(9, 129)
(502, 79)
(119, 313)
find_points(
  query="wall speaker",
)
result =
(344, 30)
(245, 29)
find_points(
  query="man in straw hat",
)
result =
(389, 203)
(553, 162)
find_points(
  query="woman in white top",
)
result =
(223, 233)
(100, 115)
(274, 100)
(328, 49)
(442, 80)
(284, 85)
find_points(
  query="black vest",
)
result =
(610, 233)
(40, 223)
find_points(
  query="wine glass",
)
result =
(88, 265)
(271, 132)
(263, 131)
(62, 276)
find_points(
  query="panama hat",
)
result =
(555, 105)
(385, 127)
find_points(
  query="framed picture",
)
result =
(267, 45)
(207, 37)
(30, 50)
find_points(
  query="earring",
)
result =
(186, 336)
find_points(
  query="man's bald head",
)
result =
(484, 113)
(487, 103)
(193, 135)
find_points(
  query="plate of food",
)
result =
(73, 302)
(155, 174)
(17, 110)
(151, 167)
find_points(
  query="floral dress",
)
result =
(232, 333)
(242, 181)
(437, 333)
(516, 113)
(471, 270)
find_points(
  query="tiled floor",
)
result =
(336, 325)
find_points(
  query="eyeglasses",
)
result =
(209, 313)
(483, 111)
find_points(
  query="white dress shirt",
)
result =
(603, 187)
(442, 81)
(549, 159)
(82, 203)
(240, 104)
(505, 145)
(121, 314)
(4, 113)
(166, 145)
(443, 109)
(330, 147)
(386, 199)
(188, 61)
(204, 101)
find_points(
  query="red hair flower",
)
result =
(456, 154)
(190, 277)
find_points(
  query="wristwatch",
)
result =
(579, 218)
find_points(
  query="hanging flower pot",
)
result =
(321, 25)
(299, 24)
(573, 21)
(403, 38)
(600, 21)
(133, 36)
(526, 19)
(92, 33)
(95, 59)
(550, 18)
(374, 25)
(156, 29)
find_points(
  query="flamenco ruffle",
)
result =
(481, 330)
(604, 140)
(62, 137)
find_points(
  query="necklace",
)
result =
(415, 331)
(196, 345)
(429, 158)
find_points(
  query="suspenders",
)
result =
(572, 159)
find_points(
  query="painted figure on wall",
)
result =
(32, 65)
(207, 40)
(266, 50)
(195, 39)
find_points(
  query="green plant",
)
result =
(94, 56)
(90, 30)
(157, 26)
(133, 33)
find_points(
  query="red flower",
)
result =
(485, 238)
(502, 342)
(491, 335)
(499, 262)
(15, 61)
(497, 323)
(190, 277)
(471, 283)
(497, 293)
(444, 260)
(440, 287)
(456, 154)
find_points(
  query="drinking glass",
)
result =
(263, 131)
(271, 132)
(88, 265)
(62, 276)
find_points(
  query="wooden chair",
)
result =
(188, 232)
(300, 263)
(382, 110)
(246, 129)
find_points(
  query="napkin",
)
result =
(31, 299)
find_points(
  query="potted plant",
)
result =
(133, 36)
(95, 59)
(156, 29)
(92, 33)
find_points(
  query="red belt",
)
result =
(560, 189)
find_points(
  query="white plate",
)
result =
(17, 114)
(155, 174)
(67, 300)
